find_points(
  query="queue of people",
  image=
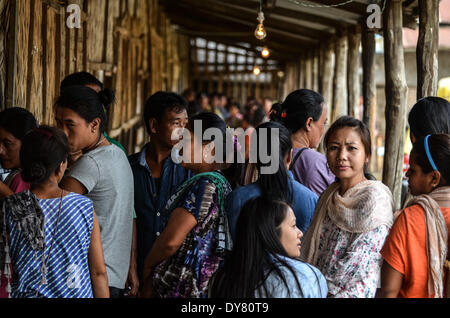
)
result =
(80, 219)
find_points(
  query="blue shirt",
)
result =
(149, 203)
(67, 243)
(304, 203)
(312, 283)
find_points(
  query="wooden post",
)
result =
(327, 75)
(396, 93)
(369, 86)
(315, 71)
(340, 79)
(308, 70)
(354, 42)
(427, 48)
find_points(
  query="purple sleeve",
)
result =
(312, 170)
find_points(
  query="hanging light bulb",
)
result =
(256, 70)
(265, 53)
(260, 32)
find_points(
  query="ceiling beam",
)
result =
(210, 18)
(224, 9)
(335, 23)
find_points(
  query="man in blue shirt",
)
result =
(156, 176)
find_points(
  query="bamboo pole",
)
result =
(369, 86)
(354, 42)
(340, 79)
(396, 94)
(427, 48)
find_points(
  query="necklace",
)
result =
(46, 259)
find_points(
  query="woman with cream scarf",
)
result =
(352, 218)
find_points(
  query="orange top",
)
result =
(405, 251)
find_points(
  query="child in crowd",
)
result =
(53, 234)
(415, 253)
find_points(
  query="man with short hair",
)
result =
(156, 176)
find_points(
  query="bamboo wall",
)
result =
(128, 44)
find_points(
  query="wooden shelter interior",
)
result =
(138, 47)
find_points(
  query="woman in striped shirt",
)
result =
(54, 238)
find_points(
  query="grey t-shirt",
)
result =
(107, 176)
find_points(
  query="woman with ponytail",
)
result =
(304, 113)
(102, 173)
(278, 185)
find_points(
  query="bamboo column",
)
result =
(396, 93)
(327, 75)
(354, 42)
(340, 79)
(369, 86)
(427, 48)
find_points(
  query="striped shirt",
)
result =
(67, 269)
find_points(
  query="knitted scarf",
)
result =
(361, 209)
(223, 238)
(436, 236)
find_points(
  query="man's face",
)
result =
(171, 121)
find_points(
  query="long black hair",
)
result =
(430, 115)
(255, 253)
(275, 186)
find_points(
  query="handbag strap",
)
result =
(297, 156)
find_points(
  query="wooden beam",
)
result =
(228, 22)
(396, 95)
(427, 48)
(354, 42)
(335, 23)
(223, 10)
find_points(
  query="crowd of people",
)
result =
(81, 219)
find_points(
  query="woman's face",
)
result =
(419, 182)
(9, 150)
(203, 152)
(290, 236)
(80, 133)
(346, 155)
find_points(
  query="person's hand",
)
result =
(74, 156)
(132, 284)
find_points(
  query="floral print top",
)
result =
(350, 262)
(186, 274)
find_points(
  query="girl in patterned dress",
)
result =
(352, 218)
(53, 235)
(196, 237)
